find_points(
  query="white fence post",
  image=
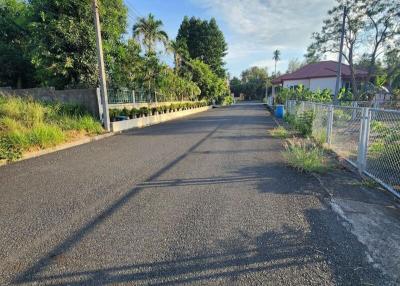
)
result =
(330, 125)
(354, 104)
(363, 142)
(133, 97)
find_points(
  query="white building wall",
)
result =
(322, 83)
(291, 83)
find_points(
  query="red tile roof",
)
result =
(318, 70)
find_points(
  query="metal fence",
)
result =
(124, 95)
(368, 138)
(130, 96)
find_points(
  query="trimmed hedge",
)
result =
(118, 114)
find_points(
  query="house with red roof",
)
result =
(321, 75)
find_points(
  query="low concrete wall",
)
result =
(154, 119)
(89, 98)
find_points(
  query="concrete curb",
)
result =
(60, 147)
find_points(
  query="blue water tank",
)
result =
(280, 111)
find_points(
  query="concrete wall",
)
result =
(154, 119)
(89, 98)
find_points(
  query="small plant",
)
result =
(133, 113)
(279, 132)
(113, 113)
(160, 109)
(144, 111)
(172, 107)
(125, 112)
(305, 156)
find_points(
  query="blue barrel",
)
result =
(280, 111)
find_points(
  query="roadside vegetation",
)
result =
(279, 132)
(303, 151)
(306, 156)
(53, 45)
(27, 125)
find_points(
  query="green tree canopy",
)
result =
(212, 87)
(254, 82)
(205, 41)
(16, 69)
(63, 40)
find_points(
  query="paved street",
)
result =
(205, 200)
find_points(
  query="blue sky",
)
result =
(253, 29)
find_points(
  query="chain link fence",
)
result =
(124, 95)
(368, 138)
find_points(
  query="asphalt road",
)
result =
(205, 200)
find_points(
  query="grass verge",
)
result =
(279, 132)
(306, 156)
(27, 125)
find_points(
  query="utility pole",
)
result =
(102, 73)
(339, 68)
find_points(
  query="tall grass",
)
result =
(305, 156)
(26, 124)
(279, 132)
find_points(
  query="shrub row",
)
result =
(122, 114)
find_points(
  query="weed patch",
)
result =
(306, 156)
(279, 132)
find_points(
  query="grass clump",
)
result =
(28, 125)
(279, 132)
(306, 156)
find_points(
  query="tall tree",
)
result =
(382, 24)
(16, 69)
(313, 55)
(276, 57)
(294, 65)
(327, 40)
(205, 41)
(235, 86)
(63, 40)
(150, 31)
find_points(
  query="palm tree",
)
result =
(276, 57)
(150, 31)
(179, 49)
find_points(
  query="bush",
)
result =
(133, 113)
(304, 123)
(113, 113)
(306, 157)
(228, 100)
(144, 111)
(125, 112)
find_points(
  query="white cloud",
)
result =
(261, 26)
